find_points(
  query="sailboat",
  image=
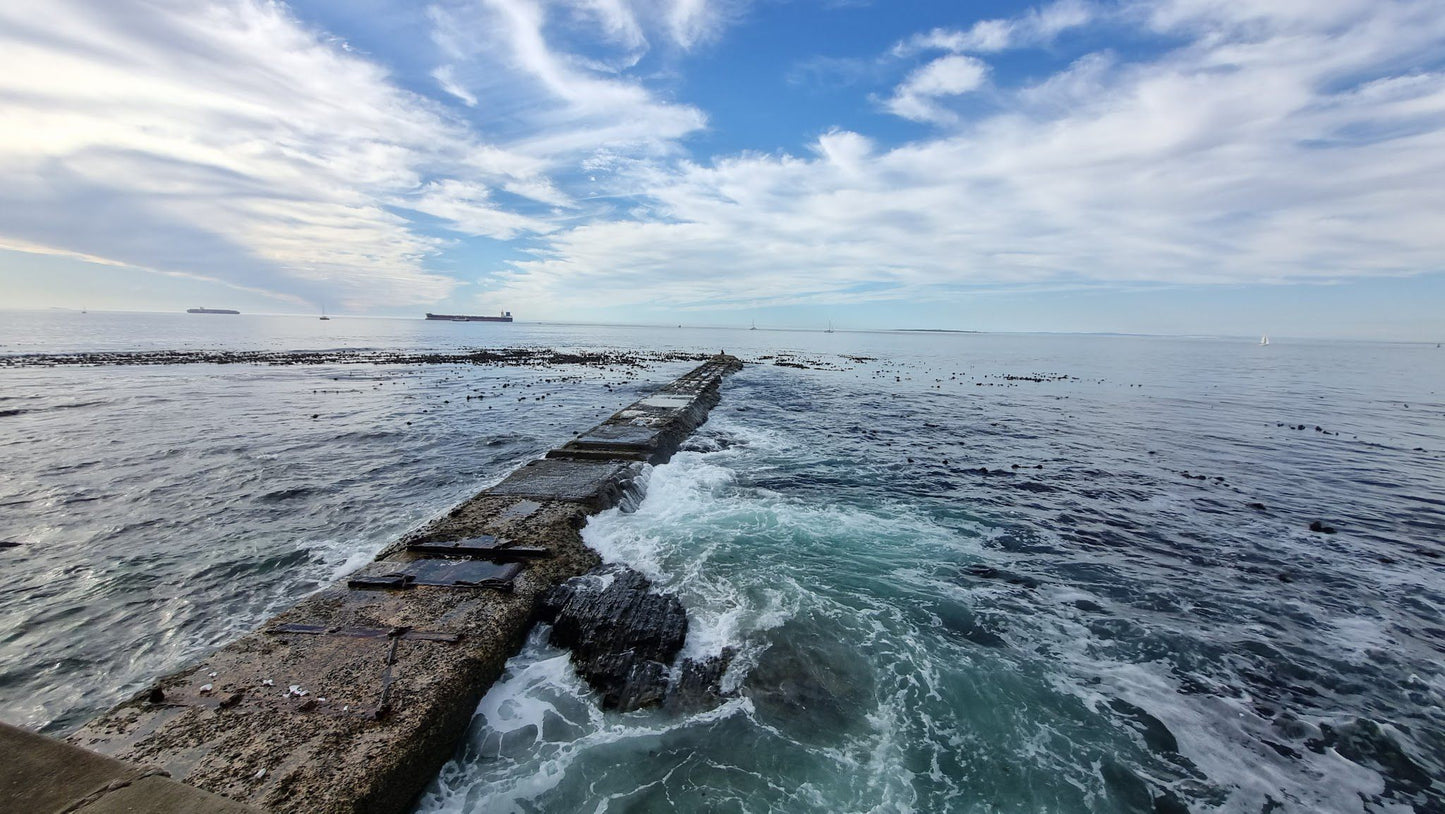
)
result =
(323, 314)
(1264, 340)
(755, 326)
(830, 327)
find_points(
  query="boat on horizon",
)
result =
(1264, 340)
(199, 310)
(505, 317)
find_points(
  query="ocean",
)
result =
(963, 572)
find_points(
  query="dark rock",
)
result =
(1317, 526)
(989, 572)
(622, 634)
(1259, 507)
(807, 674)
(699, 683)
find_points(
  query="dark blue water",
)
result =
(966, 573)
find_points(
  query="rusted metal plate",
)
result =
(440, 573)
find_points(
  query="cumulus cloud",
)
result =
(1279, 147)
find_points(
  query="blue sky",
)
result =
(1180, 166)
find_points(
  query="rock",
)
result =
(813, 674)
(989, 572)
(1321, 528)
(622, 634)
(699, 683)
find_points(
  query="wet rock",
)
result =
(808, 674)
(1319, 527)
(622, 634)
(699, 684)
(989, 572)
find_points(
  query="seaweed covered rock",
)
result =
(623, 635)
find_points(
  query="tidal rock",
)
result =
(1321, 528)
(699, 683)
(622, 634)
(813, 674)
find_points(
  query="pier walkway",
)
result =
(352, 700)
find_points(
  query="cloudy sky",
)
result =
(1181, 166)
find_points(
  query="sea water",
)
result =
(963, 572)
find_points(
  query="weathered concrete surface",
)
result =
(360, 718)
(41, 775)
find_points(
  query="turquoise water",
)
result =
(922, 626)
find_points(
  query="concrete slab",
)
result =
(157, 795)
(621, 434)
(667, 402)
(593, 482)
(40, 775)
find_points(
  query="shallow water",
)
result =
(1093, 630)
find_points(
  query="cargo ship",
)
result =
(211, 311)
(505, 317)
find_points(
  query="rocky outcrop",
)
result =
(623, 635)
(699, 684)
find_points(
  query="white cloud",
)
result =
(469, 210)
(559, 103)
(1275, 142)
(1281, 148)
(1038, 26)
(917, 97)
(448, 82)
(226, 141)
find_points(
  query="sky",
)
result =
(1176, 166)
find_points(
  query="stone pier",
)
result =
(352, 700)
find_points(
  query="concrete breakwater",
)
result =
(354, 698)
